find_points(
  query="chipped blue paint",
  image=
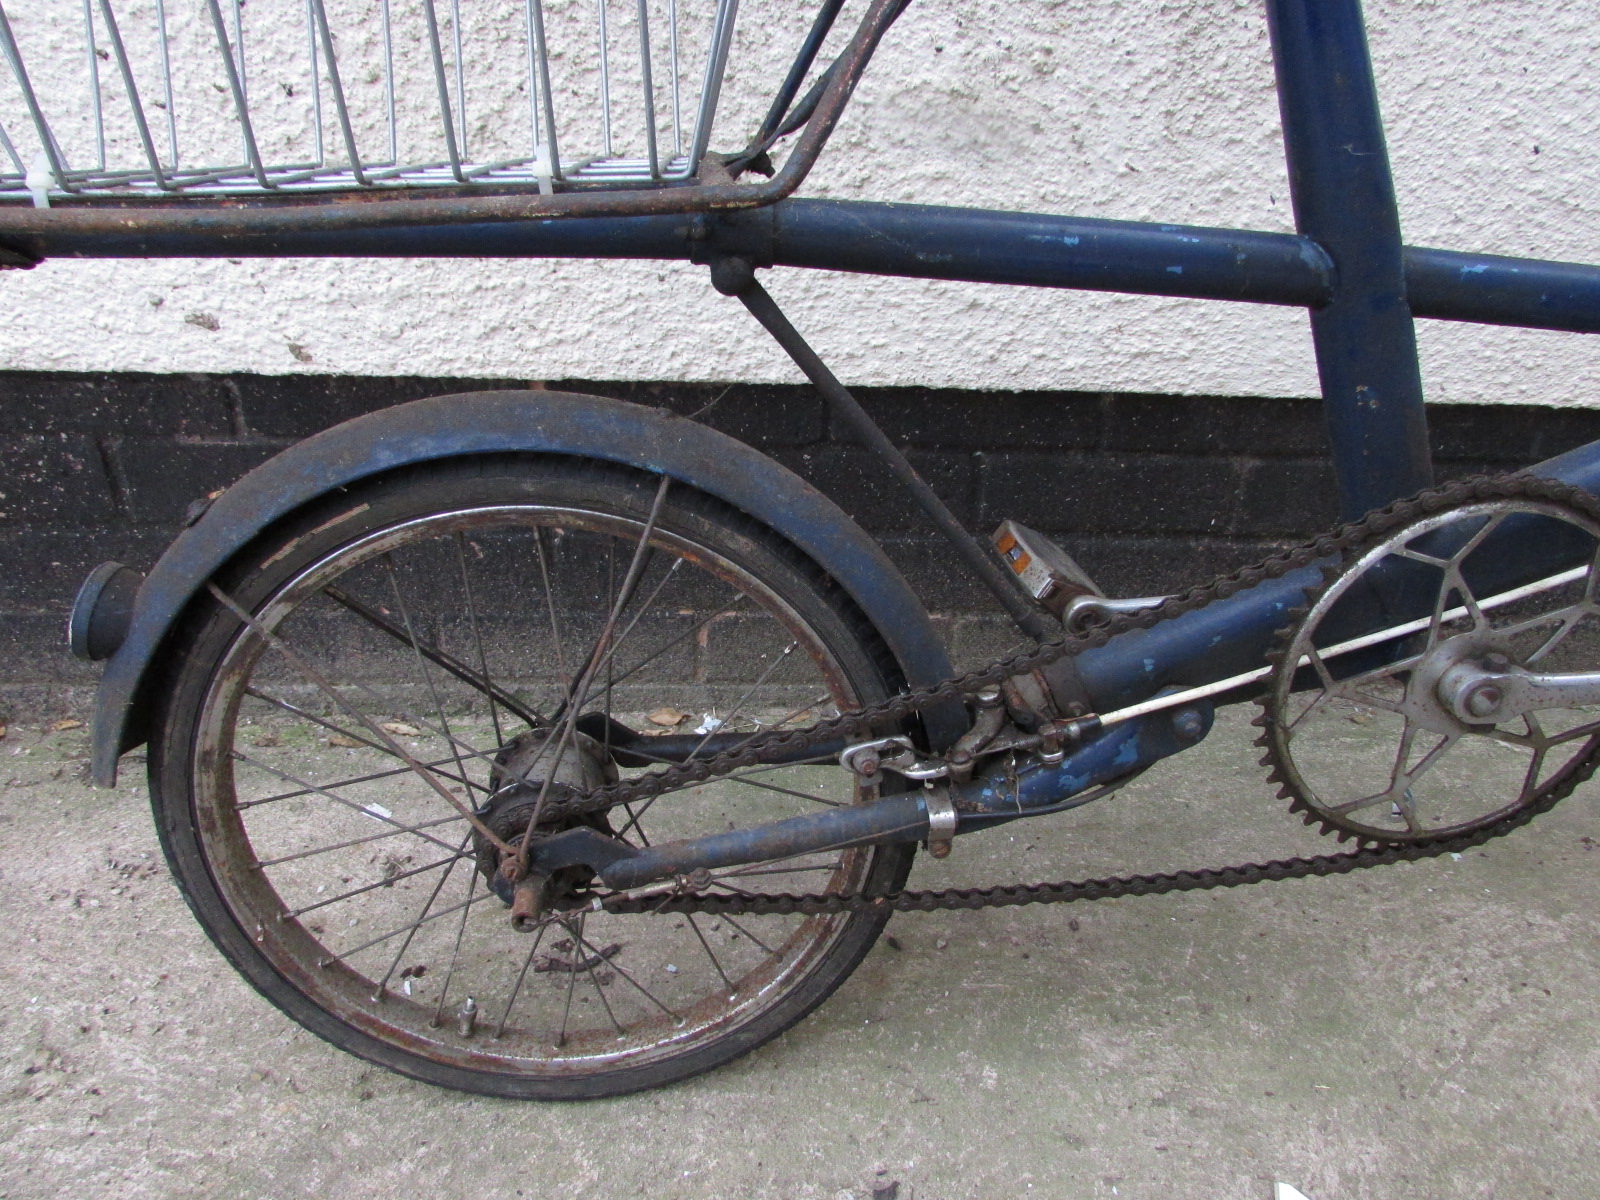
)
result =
(1175, 270)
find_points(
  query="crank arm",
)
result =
(1494, 694)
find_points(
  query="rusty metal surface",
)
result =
(500, 422)
(366, 211)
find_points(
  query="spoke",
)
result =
(745, 776)
(550, 605)
(350, 804)
(390, 881)
(361, 841)
(477, 640)
(435, 655)
(580, 690)
(434, 766)
(754, 687)
(575, 931)
(731, 610)
(422, 665)
(577, 694)
(317, 677)
(633, 823)
(588, 967)
(635, 817)
(455, 953)
(584, 944)
(773, 787)
(780, 723)
(750, 935)
(432, 897)
(457, 744)
(394, 933)
(710, 953)
(352, 781)
(500, 1030)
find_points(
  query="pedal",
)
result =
(1050, 575)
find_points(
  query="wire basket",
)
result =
(272, 97)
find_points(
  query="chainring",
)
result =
(1313, 762)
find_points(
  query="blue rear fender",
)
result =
(496, 423)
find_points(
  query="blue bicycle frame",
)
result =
(1346, 265)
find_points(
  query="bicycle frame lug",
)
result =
(942, 821)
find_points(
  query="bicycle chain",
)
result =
(1374, 524)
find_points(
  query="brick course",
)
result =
(1150, 492)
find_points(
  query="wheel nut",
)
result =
(1484, 700)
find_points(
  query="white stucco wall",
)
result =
(1135, 109)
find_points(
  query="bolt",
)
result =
(1188, 725)
(939, 849)
(960, 758)
(867, 765)
(1483, 700)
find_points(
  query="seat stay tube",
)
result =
(1344, 201)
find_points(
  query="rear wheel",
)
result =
(409, 638)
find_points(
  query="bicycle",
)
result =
(501, 613)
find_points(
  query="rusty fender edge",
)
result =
(510, 422)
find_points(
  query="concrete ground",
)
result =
(1414, 1033)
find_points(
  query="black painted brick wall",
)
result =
(1150, 492)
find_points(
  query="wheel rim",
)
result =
(1371, 752)
(348, 873)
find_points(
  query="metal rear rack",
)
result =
(277, 99)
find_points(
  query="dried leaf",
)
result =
(2, 733)
(667, 717)
(69, 723)
(400, 728)
(339, 739)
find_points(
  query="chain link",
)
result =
(1344, 541)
